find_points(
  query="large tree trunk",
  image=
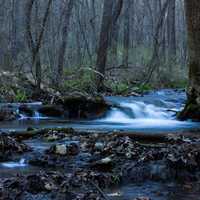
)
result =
(109, 19)
(192, 108)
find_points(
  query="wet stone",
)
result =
(10, 147)
(70, 149)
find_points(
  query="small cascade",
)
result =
(146, 111)
(129, 112)
(37, 115)
(21, 163)
(145, 114)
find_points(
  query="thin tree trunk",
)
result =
(62, 50)
(126, 34)
(172, 29)
(36, 44)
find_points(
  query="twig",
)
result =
(100, 191)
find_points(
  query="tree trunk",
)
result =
(108, 20)
(171, 22)
(192, 108)
(62, 50)
(35, 45)
(126, 34)
(172, 27)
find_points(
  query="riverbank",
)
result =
(65, 164)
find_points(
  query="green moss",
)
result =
(191, 111)
(20, 96)
(144, 88)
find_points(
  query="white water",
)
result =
(21, 163)
(138, 114)
(36, 116)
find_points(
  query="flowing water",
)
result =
(153, 112)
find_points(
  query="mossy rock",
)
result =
(84, 107)
(191, 111)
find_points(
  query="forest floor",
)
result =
(82, 165)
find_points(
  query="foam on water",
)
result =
(137, 115)
(21, 163)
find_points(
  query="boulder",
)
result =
(24, 109)
(84, 107)
(51, 111)
(71, 149)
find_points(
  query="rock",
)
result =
(61, 149)
(35, 184)
(7, 115)
(80, 106)
(142, 198)
(53, 135)
(105, 164)
(99, 146)
(24, 109)
(71, 149)
(9, 146)
(51, 111)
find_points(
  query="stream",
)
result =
(153, 112)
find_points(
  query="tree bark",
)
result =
(108, 20)
(192, 108)
(62, 50)
(172, 28)
(36, 44)
(126, 34)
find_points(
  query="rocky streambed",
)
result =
(66, 164)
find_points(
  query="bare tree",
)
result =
(65, 30)
(108, 20)
(171, 19)
(35, 45)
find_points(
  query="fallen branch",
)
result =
(100, 191)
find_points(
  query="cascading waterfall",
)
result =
(142, 115)
(153, 112)
(128, 112)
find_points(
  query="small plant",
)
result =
(144, 88)
(20, 96)
(116, 179)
